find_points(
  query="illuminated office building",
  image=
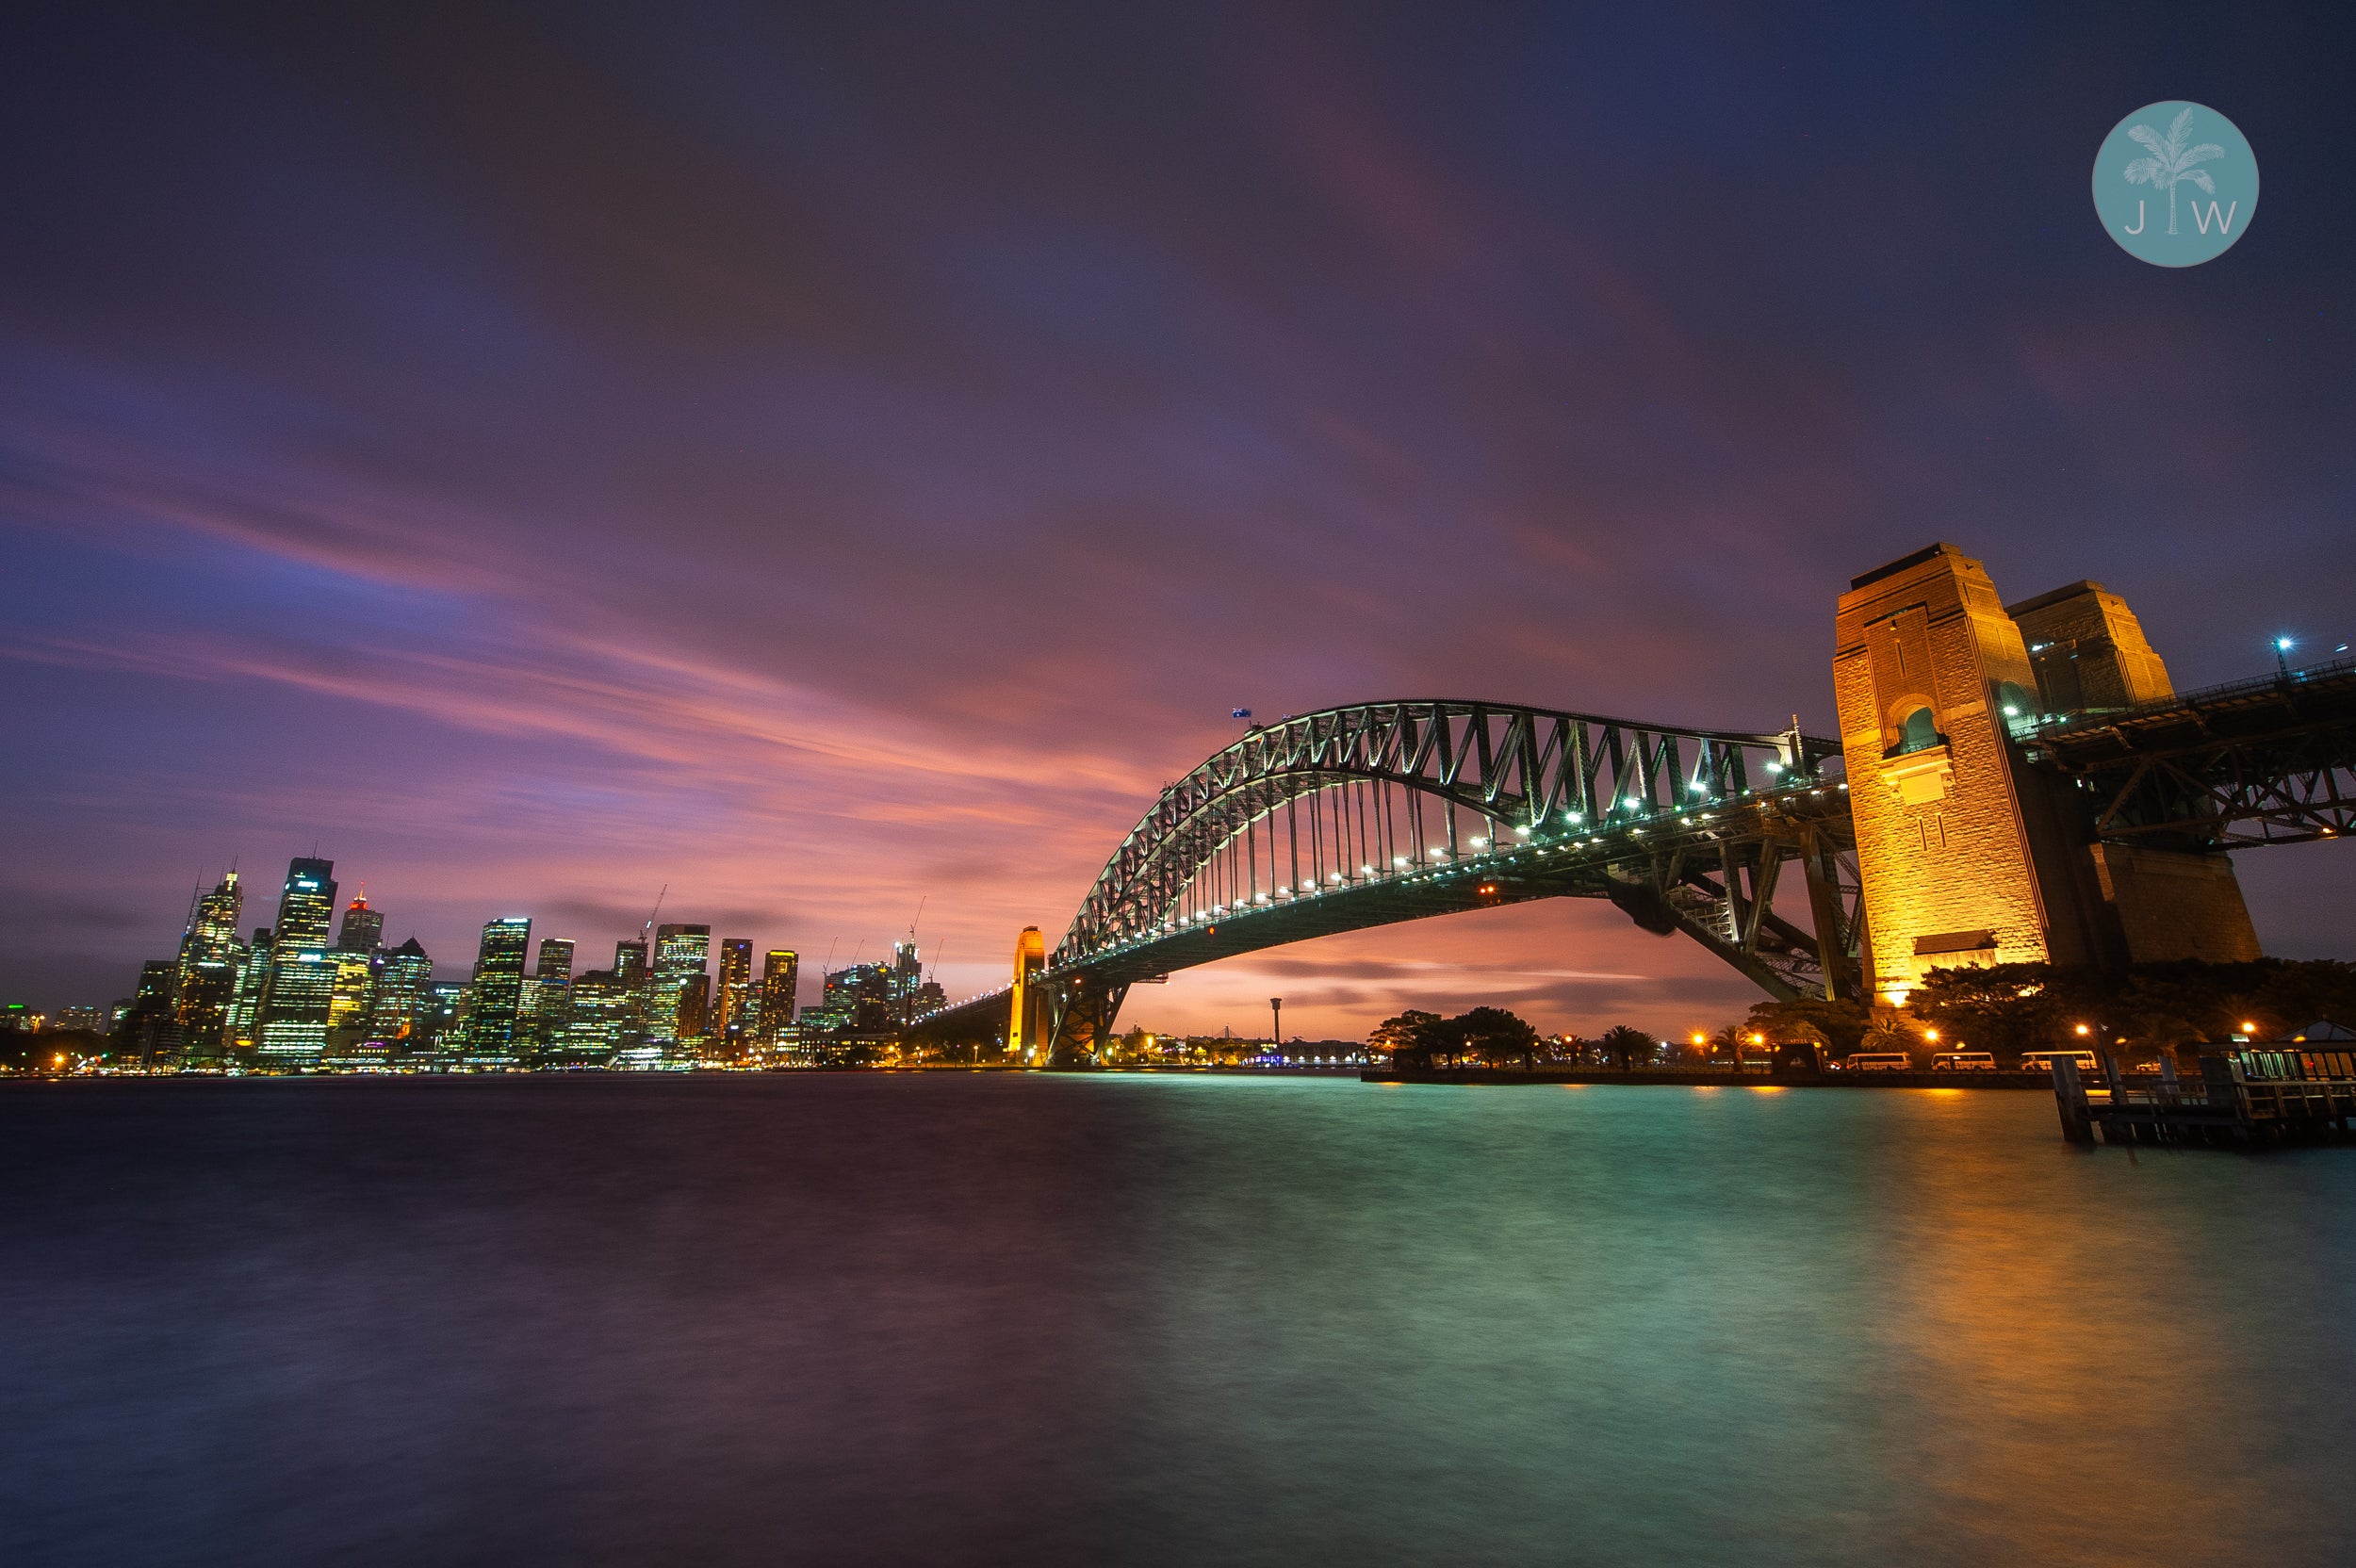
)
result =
(363, 930)
(548, 995)
(211, 960)
(497, 991)
(402, 978)
(302, 980)
(608, 1013)
(349, 1000)
(629, 963)
(632, 973)
(602, 1022)
(778, 971)
(677, 992)
(857, 999)
(732, 1020)
(912, 995)
(245, 1008)
(440, 1007)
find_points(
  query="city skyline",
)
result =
(571, 459)
(222, 983)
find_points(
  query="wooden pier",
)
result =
(2251, 1098)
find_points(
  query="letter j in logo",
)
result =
(2175, 183)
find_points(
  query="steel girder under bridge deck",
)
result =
(2264, 761)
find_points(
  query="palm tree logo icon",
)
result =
(2172, 160)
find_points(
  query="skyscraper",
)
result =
(676, 1011)
(350, 994)
(629, 963)
(556, 961)
(363, 929)
(301, 981)
(252, 985)
(912, 995)
(547, 996)
(731, 1025)
(778, 971)
(401, 980)
(150, 1030)
(211, 960)
(498, 990)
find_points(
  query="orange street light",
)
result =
(2084, 1030)
(1930, 1034)
(2247, 1027)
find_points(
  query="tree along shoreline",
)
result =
(2004, 1009)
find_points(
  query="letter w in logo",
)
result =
(2224, 224)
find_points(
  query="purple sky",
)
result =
(824, 459)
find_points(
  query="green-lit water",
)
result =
(860, 1318)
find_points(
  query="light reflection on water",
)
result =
(858, 1318)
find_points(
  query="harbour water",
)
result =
(935, 1318)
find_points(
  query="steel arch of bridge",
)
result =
(1525, 776)
(1359, 816)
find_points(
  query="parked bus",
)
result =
(2042, 1061)
(1963, 1061)
(1880, 1061)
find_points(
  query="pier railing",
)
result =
(2259, 1095)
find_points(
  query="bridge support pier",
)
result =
(1081, 1013)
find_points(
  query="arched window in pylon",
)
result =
(1918, 731)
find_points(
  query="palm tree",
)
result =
(2171, 160)
(1626, 1042)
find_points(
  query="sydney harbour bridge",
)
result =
(1994, 797)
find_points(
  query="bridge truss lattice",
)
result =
(1364, 815)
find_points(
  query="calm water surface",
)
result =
(952, 1318)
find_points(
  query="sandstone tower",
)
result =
(1026, 1027)
(1970, 855)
